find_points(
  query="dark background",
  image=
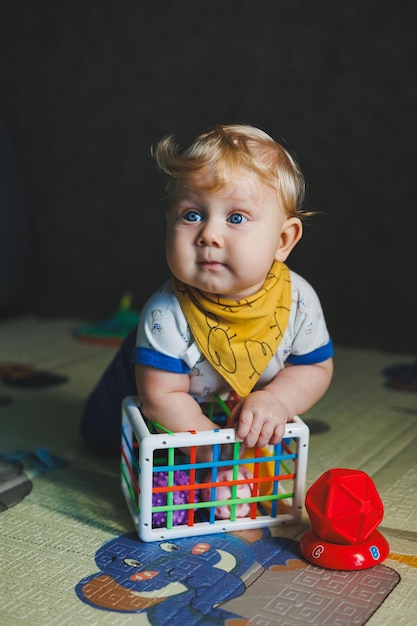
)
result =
(88, 86)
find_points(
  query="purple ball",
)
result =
(160, 479)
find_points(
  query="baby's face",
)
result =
(224, 242)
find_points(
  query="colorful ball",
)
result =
(160, 479)
(224, 492)
(344, 506)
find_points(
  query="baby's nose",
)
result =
(211, 234)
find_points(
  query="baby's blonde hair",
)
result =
(222, 150)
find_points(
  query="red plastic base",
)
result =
(344, 556)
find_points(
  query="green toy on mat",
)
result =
(112, 331)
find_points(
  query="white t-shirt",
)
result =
(165, 341)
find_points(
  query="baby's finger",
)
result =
(245, 422)
(253, 436)
(265, 436)
(277, 435)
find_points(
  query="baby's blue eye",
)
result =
(237, 218)
(192, 216)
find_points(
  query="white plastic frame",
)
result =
(134, 426)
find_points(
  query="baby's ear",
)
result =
(292, 231)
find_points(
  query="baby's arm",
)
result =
(165, 399)
(262, 415)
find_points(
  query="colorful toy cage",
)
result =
(170, 494)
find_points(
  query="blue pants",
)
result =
(101, 419)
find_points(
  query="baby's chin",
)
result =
(214, 288)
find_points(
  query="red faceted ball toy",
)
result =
(344, 506)
(345, 509)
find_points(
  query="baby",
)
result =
(233, 319)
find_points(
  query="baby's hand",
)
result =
(261, 419)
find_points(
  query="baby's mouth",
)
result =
(211, 265)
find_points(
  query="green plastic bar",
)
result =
(223, 405)
(205, 505)
(168, 432)
(170, 494)
(131, 492)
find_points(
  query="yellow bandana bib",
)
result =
(239, 337)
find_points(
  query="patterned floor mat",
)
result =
(240, 578)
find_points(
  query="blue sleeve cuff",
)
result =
(150, 357)
(317, 356)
